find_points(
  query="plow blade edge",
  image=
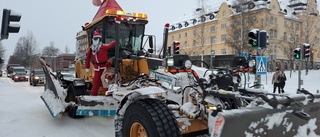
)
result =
(292, 121)
(53, 96)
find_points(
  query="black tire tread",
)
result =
(165, 122)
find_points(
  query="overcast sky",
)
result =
(60, 20)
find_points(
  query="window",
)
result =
(275, 34)
(194, 43)
(186, 34)
(223, 51)
(284, 51)
(213, 28)
(285, 36)
(270, 33)
(250, 21)
(297, 38)
(291, 24)
(275, 50)
(271, 20)
(275, 20)
(297, 26)
(179, 36)
(223, 26)
(172, 37)
(223, 38)
(194, 33)
(185, 44)
(224, 13)
(213, 39)
(285, 23)
(291, 37)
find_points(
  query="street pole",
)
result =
(299, 73)
(258, 77)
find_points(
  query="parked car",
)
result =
(20, 76)
(37, 77)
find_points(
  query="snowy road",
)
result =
(23, 113)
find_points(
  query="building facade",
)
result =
(223, 29)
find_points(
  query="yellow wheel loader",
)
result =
(164, 97)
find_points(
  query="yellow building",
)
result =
(224, 28)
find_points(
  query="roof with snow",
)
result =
(288, 7)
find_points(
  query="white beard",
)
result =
(95, 47)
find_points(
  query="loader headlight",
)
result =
(170, 62)
(188, 64)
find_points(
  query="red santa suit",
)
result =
(98, 53)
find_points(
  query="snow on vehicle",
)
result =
(166, 96)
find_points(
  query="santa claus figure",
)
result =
(98, 53)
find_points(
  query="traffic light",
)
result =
(176, 45)
(306, 50)
(1, 61)
(169, 51)
(6, 28)
(253, 37)
(297, 53)
(263, 36)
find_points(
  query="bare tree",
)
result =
(309, 33)
(240, 24)
(66, 49)
(2, 51)
(26, 50)
(200, 33)
(50, 50)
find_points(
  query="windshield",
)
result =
(18, 70)
(131, 33)
(21, 73)
(38, 72)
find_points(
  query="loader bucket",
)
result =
(52, 96)
(292, 117)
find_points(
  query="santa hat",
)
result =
(96, 34)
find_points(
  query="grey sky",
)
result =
(60, 20)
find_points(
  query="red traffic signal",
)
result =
(176, 45)
(306, 50)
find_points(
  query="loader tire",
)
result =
(151, 118)
(72, 92)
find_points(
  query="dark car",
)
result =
(20, 76)
(36, 77)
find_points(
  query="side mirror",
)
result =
(150, 42)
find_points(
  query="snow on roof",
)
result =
(288, 7)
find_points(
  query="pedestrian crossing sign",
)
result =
(261, 67)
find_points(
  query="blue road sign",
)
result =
(244, 54)
(261, 66)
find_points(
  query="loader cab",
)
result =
(131, 34)
(128, 32)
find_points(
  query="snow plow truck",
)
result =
(164, 96)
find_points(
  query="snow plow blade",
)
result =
(51, 96)
(290, 116)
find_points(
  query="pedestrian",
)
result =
(282, 80)
(275, 81)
